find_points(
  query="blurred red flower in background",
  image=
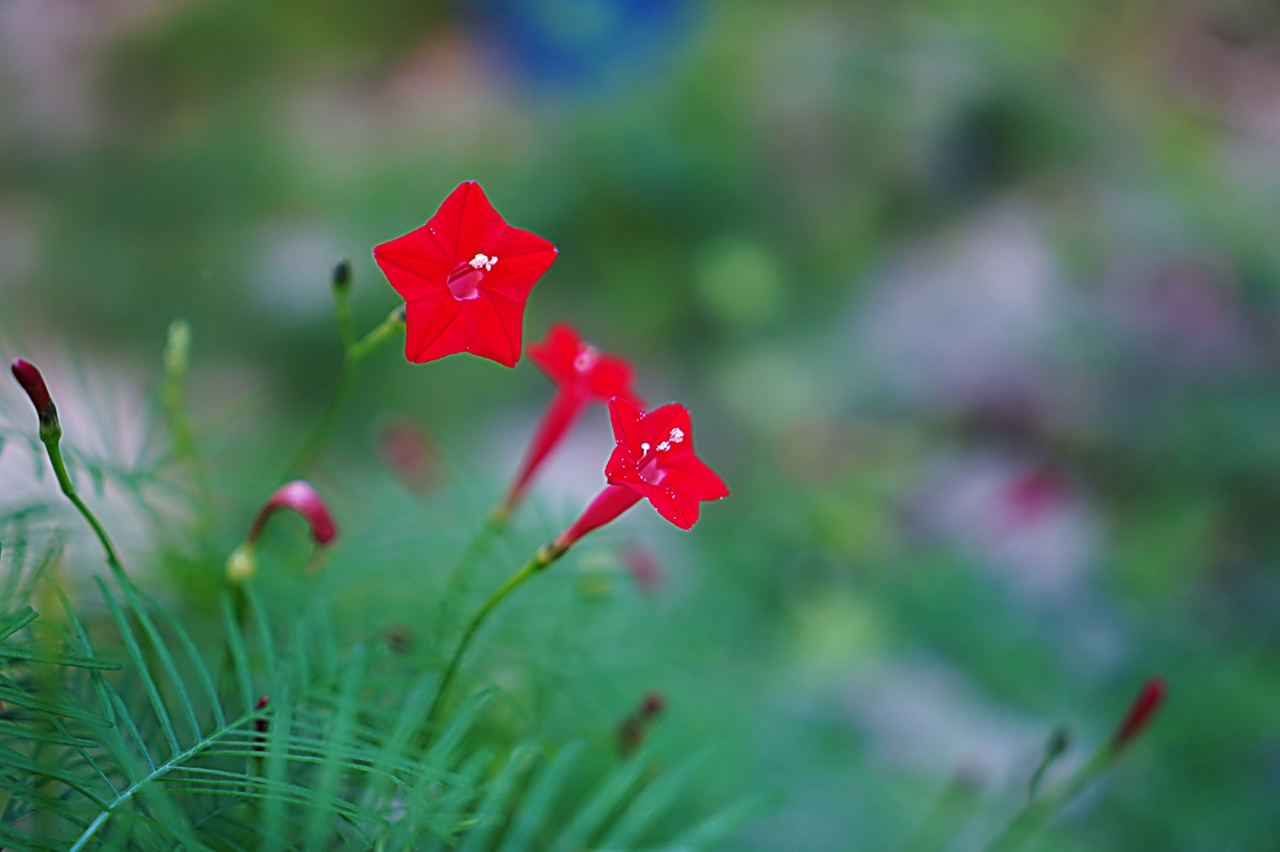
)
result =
(582, 375)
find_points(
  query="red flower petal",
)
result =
(414, 264)
(466, 222)
(676, 508)
(612, 376)
(556, 354)
(426, 320)
(496, 329)
(627, 420)
(691, 475)
(573, 363)
(518, 270)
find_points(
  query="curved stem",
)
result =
(544, 557)
(185, 449)
(1033, 816)
(355, 353)
(320, 435)
(69, 489)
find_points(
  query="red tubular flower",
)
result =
(1144, 706)
(303, 499)
(653, 460)
(32, 382)
(465, 276)
(582, 376)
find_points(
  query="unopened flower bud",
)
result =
(652, 705)
(260, 724)
(242, 564)
(32, 382)
(632, 731)
(177, 349)
(1057, 744)
(1059, 741)
(342, 275)
(1144, 706)
(299, 496)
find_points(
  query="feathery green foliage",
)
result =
(130, 733)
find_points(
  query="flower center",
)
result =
(586, 359)
(647, 465)
(464, 281)
(651, 473)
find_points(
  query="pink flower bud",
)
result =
(1144, 706)
(303, 499)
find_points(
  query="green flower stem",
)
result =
(354, 354)
(51, 441)
(177, 353)
(1033, 817)
(456, 584)
(540, 561)
(947, 816)
(342, 307)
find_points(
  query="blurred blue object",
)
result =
(585, 45)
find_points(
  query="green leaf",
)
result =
(537, 805)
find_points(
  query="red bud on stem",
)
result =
(32, 382)
(1144, 707)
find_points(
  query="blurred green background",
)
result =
(976, 306)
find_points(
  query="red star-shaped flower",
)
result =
(582, 376)
(465, 276)
(654, 460)
(654, 457)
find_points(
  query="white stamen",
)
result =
(677, 435)
(664, 446)
(483, 260)
(644, 447)
(586, 359)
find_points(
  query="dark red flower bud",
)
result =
(652, 705)
(260, 724)
(400, 639)
(632, 731)
(33, 383)
(1149, 699)
(303, 499)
